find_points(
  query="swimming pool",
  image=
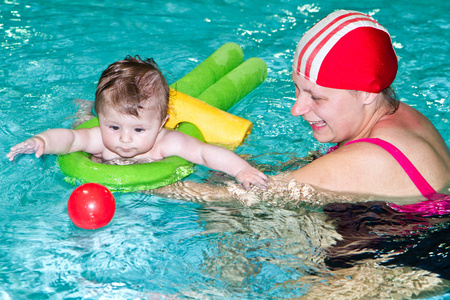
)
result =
(54, 51)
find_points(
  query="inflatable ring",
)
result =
(78, 167)
(224, 73)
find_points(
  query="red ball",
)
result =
(91, 206)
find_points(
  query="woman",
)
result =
(343, 68)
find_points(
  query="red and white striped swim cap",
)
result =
(347, 50)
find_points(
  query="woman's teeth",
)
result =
(318, 123)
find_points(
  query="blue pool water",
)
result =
(53, 52)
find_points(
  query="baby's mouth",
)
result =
(126, 150)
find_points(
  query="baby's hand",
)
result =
(251, 176)
(32, 145)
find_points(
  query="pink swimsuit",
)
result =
(437, 204)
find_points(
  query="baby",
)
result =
(131, 102)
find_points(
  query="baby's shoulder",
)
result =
(89, 140)
(170, 136)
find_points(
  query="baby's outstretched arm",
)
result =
(212, 156)
(57, 141)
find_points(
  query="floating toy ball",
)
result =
(91, 206)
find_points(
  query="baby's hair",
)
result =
(131, 85)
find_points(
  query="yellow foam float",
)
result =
(217, 126)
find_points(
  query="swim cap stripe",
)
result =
(322, 39)
(310, 37)
(328, 42)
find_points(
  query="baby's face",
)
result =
(127, 135)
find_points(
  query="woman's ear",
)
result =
(369, 97)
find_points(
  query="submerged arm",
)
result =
(280, 193)
(194, 192)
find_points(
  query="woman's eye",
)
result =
(115, 128)
(315, 98)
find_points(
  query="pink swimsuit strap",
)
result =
(437, 204)
(424, 187)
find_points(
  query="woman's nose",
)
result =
(300, 107)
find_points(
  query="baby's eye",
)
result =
(139, 130)
(115, 128)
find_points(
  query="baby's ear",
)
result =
(163, 122)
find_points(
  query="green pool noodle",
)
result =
(234, 86)
(208, 72)
(192, 130)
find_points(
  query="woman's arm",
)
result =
(281, 192)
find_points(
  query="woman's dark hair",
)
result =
(391, 97)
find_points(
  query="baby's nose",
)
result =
(125, 137)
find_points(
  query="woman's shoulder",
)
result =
(406, 119)
(414, 134)
(354, 168)
(368, 168)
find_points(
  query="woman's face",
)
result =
(334, 115)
